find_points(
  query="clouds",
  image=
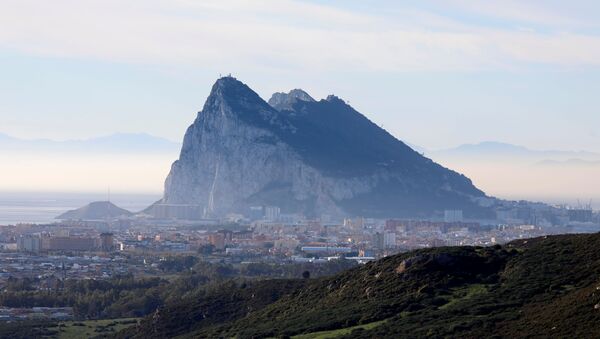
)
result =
(455, 63)
(435, 73)
(550, 14)
(275, 35)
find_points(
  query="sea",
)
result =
(44, 207)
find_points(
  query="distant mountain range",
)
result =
(497, 150)
(517, 172)
(114, 143)
(570, 162)
(146, 143)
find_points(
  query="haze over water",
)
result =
(43, 207)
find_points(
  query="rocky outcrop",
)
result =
(305, 157)
(285, 101)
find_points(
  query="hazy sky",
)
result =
(433, 73)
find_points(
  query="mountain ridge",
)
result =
(322, 156)
(497, 149)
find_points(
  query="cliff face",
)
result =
(305, 157)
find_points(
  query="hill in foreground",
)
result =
(539, 288)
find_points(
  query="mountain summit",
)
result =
(305, 156)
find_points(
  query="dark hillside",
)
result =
(230, 302)
(536, 288)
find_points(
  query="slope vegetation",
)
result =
(536, 288)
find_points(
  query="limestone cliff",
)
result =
(305, 156)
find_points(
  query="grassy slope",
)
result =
(92, 328)
(548, 289)
(64, 329)
(536, 288)
(374, 292)
(339, 332)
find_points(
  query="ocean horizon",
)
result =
(44, 207)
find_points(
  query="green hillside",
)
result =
(543, 287)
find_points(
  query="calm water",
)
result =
(20, 207)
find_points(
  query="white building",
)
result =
(29, 243)
(272, 213)
(389, 240)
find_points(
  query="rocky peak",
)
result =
(284, 101)
(230, 98)
(335, 99)
(227, 91)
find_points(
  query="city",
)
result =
(139, 245)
